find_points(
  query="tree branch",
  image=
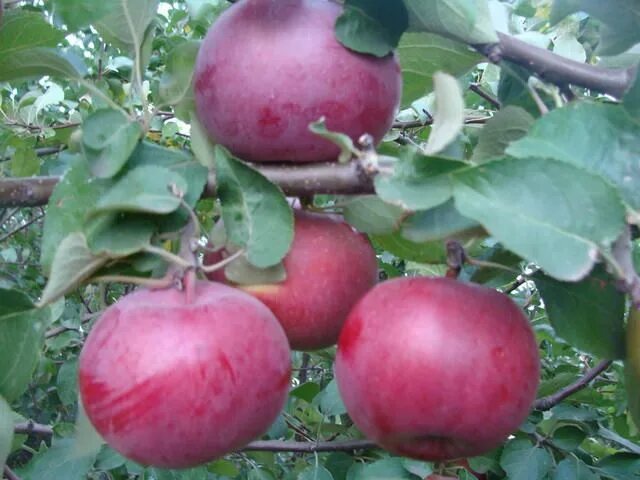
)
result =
(9, 474)
(21, 227)
(557, 69)
(31, 428)
(546, 403)
(334, 178)
(309, 447)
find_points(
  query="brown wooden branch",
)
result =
(10, 474)
(550, 401)
(309, 447)
(559, 70)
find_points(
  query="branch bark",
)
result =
(309, 447)
(557, 69)
(332, 178)
(547, 403)
(31, 428)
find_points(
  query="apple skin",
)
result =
(329, 268)
(174, 384)
(268, 68)
(435, 369)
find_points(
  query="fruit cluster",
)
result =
(428, 367)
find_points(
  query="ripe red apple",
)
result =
(435, 369)
(268, 68)
(173, 383)
(329, 267)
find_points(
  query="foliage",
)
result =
(538, 181)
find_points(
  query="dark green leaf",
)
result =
(621, 466)
(307, 391)
(386, 469)
(62, 460)
(588, 314)
(22, 30)
(423, 252)
(372, 27)
(329, 400)
(6, 430)
(524, 461)
(568, 437)
(256, 214)
(118, 235)
(439, 223)
(540, 210)
(371, 214)
(38, 62)
(572, 468)
(67, 382)
(508, 125)
(317, 472)
(339, 463)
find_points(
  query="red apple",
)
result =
(436, 369)
(329, 267)
(268, 68)
(173, 383)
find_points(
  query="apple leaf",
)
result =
(423, 54)
(632, 364)
(601, 138)
(316, 472)
(465, 20)
(370, 214)
(385, 469)
(6, 430)
(72, 264)
(329, 400)
(347, 149)
(77, 14)
(521, 460)
(175, 82)
(125, 24)
(568, 437)
(197, 473)
(118, 235)
(145, 189)
(422, 252)
(22, 30)
(448, 117)
(67, 382)
(631, 100)
(201, 145)
(588, 314)
(621, 466)
(508, 125)
(241, 272)
(371, 26)
(571, 468)
(22, 328)
(61, 460)
(255, 212)
(538, 211)
(38, 62)
(418, 182)
(439, 223)
(109, 138)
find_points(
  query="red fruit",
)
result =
(268, 68)
(176, 384)
(435, 369)
(329, 267)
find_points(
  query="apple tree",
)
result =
(317, 239)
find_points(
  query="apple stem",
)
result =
(222, 263)
(189, 285)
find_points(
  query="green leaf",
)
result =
(620, 466)
(417, 467)
(255, 212)
(571, 468)
(631, 100)
(175, 82)
(198, 473)
(329, 400)
(67, 382)
(317, 472)
(125, 23)
(6, 430)
(60, 461)
(418, 182)
(146, 189)
(339, 463)
(632, 364)
(307, 391)
(201, 146)
(588, 314)
(508, 125)
(423, 252)
(448, 117)
(465, 20)
(371, 214)
(601, 138)
(372, 27)
(25, 162)
(68, 205)
(439, 223)
(347, 149)
(21, 338)
(423, 54)
(532, 204)
(38, 62)
(241, 272)
(386, 469)
(109, 138)
(118, 235)
(22, 30)
(77, 14)
(523, 461)
(72, 264)
(568, 437)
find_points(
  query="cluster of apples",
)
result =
(428, 367)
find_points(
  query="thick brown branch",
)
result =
(546, 403)
(341, 179)
(557, 69)
(309, 447)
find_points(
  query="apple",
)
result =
(436, 369)
(268, 68)
(329, 267)
(175, 382)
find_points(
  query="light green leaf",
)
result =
(38, 62)
(175, 82)
(371, 214)
(508, 125)
(6, 430)
(329, 400)
(439, 223)
(347, 149)
(448, 117)
(23, 30)
(537, 209)
(126, 22)
(317, 472)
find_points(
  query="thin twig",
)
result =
(9, 474)
(475, 88)
(21, 227)
(550, 401)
